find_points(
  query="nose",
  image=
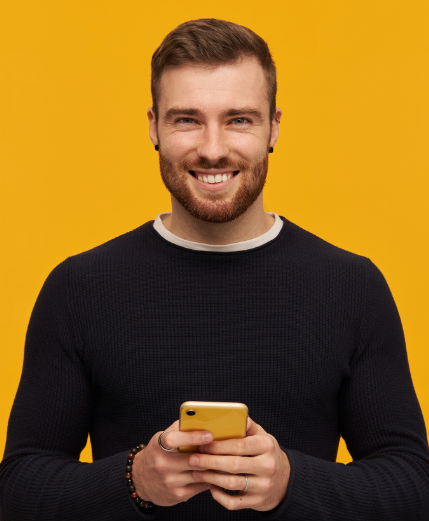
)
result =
(213, 145)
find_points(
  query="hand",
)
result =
(268, 469)
(165, 478)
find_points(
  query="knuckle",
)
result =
(232, 504)
(231, 483)
(235, 466)
(181, 495)
(161, 465)
(169, 482)
(241, 446)
(270, 467)
(268, 443)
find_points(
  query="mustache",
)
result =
(223, 164)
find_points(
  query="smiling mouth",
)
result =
(213, 179)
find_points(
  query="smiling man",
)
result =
(214, 126)
(216, 300)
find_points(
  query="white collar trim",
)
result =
(236, 246)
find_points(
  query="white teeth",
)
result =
(212, 179)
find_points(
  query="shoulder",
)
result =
(117, 255)
(122, 249)
(310, 250)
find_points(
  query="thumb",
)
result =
(253, 428)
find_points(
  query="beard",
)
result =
(213, 207)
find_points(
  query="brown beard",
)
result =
(213, 208)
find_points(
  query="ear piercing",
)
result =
(271, 150)
(157, 147)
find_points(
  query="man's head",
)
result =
(213, 116)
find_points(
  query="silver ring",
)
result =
(160, 443)
(247, 484)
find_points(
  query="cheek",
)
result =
(178, 146)
(248, 146)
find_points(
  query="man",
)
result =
(216, 301)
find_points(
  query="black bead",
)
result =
(138, 448)
(129, 461)
(131, 488)
(137, 500)
(128, 468)
(157, 147)
(129, 482)
(271, 150)
(134, 450)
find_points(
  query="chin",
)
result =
(213, 207)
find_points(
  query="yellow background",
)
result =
(77, 166)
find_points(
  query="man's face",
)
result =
(214, 133)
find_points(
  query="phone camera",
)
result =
(190, 413)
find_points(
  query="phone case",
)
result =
(226, 420)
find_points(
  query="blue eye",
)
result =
(241, 121)
(185, 120)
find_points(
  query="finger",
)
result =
(175, 438)
(250, 446)
(229, 464)
(192, 490)
(228, 481)
(178, 480)
(242, 500)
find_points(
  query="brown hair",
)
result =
(212, 42)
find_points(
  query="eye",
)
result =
(186, 121)
(240, 121)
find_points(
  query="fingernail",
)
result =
(197, 475)
(208, 436)
(193, 460)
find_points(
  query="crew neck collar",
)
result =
(236, 246)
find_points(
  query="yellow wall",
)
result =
(77, 166)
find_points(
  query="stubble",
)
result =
(214, 207)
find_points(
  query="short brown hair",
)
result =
(212, 42)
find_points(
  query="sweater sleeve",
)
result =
(41, 476)
(382, 425)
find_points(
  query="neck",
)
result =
(252, 223)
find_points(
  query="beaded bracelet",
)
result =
(146, 505)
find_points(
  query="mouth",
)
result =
(213, 178)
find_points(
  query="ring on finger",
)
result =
(160, 443)
(247, 484)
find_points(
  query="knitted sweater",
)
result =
(306, 334)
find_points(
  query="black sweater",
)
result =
(305, 333)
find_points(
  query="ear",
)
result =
(275, 126)
(153, 130)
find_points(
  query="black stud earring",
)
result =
(271, 150)
(157, 147)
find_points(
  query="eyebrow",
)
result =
(177, 111)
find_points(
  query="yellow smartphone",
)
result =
(226, 420)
